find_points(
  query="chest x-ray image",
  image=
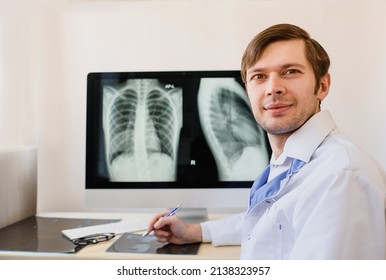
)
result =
(180, 129)
(137, 244)
(237, 142)
(142, 119)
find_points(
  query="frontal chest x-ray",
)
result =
(142, 120)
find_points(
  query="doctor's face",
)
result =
(282, 88)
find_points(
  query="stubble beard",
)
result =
(284, 127)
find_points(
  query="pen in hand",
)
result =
(170, 213)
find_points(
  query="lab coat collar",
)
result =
(303, 142)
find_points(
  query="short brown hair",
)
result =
(315, 53)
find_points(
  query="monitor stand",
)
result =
(193, 215)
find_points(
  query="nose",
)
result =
(275, 85)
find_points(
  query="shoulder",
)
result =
(341, 152)
(337, 154)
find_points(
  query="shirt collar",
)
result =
(303, 142)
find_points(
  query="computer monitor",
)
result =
(157, 139)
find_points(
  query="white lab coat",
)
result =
(333, 208)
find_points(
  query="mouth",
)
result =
(277, 108)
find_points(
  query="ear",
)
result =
(324, 86)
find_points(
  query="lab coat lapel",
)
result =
(262, 189)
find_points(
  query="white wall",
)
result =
(68, 39)
(17, 99)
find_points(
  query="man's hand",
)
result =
(174, 230)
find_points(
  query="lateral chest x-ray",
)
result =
(147, 124)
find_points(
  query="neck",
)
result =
(277, 143)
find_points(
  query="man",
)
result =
(325, 198)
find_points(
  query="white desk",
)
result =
(98, 251)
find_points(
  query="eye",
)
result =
(258, 76)
(291, 72)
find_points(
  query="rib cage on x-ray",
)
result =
(235, 139)
(141, 122)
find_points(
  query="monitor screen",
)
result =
(155, 132)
